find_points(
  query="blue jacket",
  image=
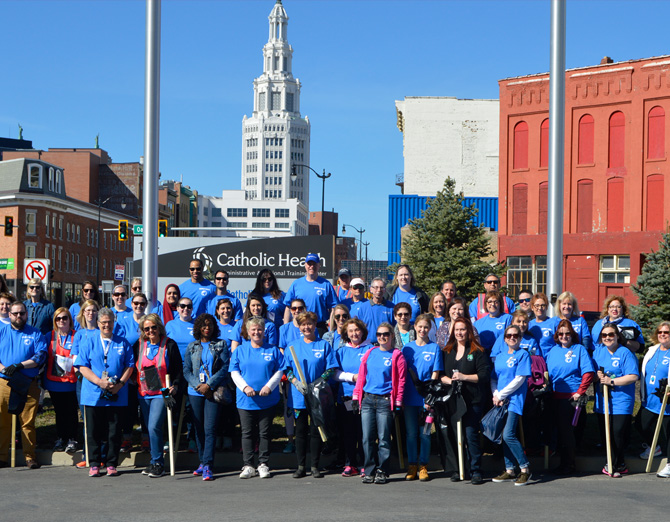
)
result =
(40, 315)
(193, 359)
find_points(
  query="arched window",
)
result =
(656, 133)
(615, 204)
(585, 148)
(655, 210)
(617, 139)
(585, 205)
(520, 158)
(520, 208)
(543, 208)
(544, 143)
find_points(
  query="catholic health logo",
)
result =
(199, 254)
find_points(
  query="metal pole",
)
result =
(323, 196)
(97, 266)
(556, 151)
(151, 144)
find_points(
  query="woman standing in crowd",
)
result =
(615, 311)
(131, 322)
(424, 362)
(256, 369)
(267, 286)
(438, 308)
(338, 319)
(570, 373)
(528, 342)
(403, 332)
(349, 355)
(88, 291)
(465, 362)
(205, 369)
(541, 327)
(491, 326)
(256, 307)
(456, 308)
(60, 380)
(181, 329)
(225, 313)
(654, 368)
(403, 290)
(568, 308)
(509, 384)
(617, 368)
(316, 357)
(378, 393)
(342, 284)
(290, 331)
(168, 309)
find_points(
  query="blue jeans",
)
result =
(377, 421)
(415, 432)
(512, 448)
(154, 413)
(205, 417)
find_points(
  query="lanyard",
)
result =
(105, 348)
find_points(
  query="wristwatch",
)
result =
(612, 382)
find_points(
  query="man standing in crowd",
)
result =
(357, 296)
(198, 289)
(376, 310)
(22, 353)
(40, 311)
(524, 303)
(478, 306)
(221, 279)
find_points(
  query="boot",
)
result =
(411, 472)
(423, 473)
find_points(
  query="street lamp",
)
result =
(100, 203)
(323, 177)
(360, 243)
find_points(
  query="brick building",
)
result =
(616, 143)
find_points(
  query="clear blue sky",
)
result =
(73, 69)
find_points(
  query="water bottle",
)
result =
(429, 423)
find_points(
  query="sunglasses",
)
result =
(119, 294)
(34, 287)
(526, 300)
(267, 279)
(195, 269)
(492, 281)
(17, 313)
(383, 334)
(402, 314)
(663, 332)
(185, 306)
(151, 328)
(358, 287)
(564, 334)
(511, 336)
(297, 308)
(608, 335)
(137, 288)
(87, 290)
(341, 316)
(139, 303)
(62, 318)
(221, 278)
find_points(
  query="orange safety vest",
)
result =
(481, 305)
(54, 371)
(143, 361)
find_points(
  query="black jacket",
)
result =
(175, 365)
(471, 363)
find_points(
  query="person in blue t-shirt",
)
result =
(509, 385)
(567, 307)
(228, 326)
(528, 342)
(267, 286)
(617, 368)
(654, 368)
(256, 369)
(615, 311)
(317, 292)
(338, 319)
(403, 290)
(198, 289)
(40, 310)
(181, 329)
(438, 309)
(377, 310)
(424, 362)
(342, 287)
(541, 327)
(89, 290)
(119, 298)
(357, 298)
(256, 307)
(221, 279)
(491, 326)
(317, 360)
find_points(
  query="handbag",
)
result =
(222, 395)
(493, 423)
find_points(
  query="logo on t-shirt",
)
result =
(27, 340)
(203, 292)
(546, 333)
(500, 326)
(387, 362)
(319, 291)
(666, 361)
(427, 356)
(511, 361)
(267, 356)
(568, 356)
(615, 362)
(318, 354)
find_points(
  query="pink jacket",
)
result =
(398, 372)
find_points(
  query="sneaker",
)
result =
(299, 473)
(616, 474)
(126, 446)
(455, 477)
(665, 472)
(367, 479)
(247, 472)
(207, 473)
(147, 470)
(71, 446)
(157, 470)
(198, 472)
(264, 471)
(82, 464)
(349, 471)
(623, 469)
(112, 471)
(381, 477)
(647, 450)
(59, 445)
(94, 471)
(505, 476)
(316, 473)
(289, 448)
(476, 478)
(523, 478)
(146, 447)
(192, 447)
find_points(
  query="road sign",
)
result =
(119, 270)
(138, 230)
(35, 268)
(7, 263)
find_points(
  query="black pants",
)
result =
(67, 418)
(568, 435)
(303, 430)
(352, 436)
(130, 415)
(619, 436)
(256, 423)
(104, 425)
(473, 453)
(648, 422)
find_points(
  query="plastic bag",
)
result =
(493, 423)
(321, 401)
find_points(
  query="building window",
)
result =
(615, 205)
(216, 212)
(60, 228)
(59, 177)
(276, 101)
(236, 212)
(35, 176)
(261, 101)
(67, 228)
(520, 157)
(260, 212)
(585, 146)
(543, 206)
(655, 206)
(78, 241)
(88, 237)
(617, 140)
(51, 179)
(30, 250)
(47, 224)
(615, 269)
(104, 267)
(47, 249)
(205, 211)
(520, 208)
(289, 101)
(544, 144)
(60, 258)
(31, 223)
(77, 263)
(260, 225)
(523, 274)
(282, 225)
(281, 212)
(656, 133)
(216, 223)
(585, 205)
(236, 224)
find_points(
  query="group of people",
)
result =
(350, 369)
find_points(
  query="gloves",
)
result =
(660, 391)
(9, 370)
(317, 381)
(300, 387)
(356, 407)
(168, 399)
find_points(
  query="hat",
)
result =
(344, 271)
(357, 281)
(312, 257)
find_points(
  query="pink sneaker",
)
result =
(112, 471)
(350, 471)
(94, 471)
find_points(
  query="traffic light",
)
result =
(9, 226)
(123, 230)
(162, 228)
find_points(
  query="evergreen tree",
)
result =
(444, 243)
(653, 289)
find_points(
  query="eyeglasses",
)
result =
(511, 336)
(34, 287)
(105, 323)
(492, 302)
(402, 314)
(87, 290)
(564, 334)
(62, 318)
(341, 316)
(185, 306)
(383, 334)
(139, 303)
(119, 294)
(17, 313)
(539, 306)
(297, 308)
(151, 328)
(526, 300)
(221, 278)
(267, 279)
(492, 282)
(195, 269)
(663, 332)
(615, 307)
(137, 288)
(608, 335)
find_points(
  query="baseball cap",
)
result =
(357, 281)
(312, 257)
(344, 271)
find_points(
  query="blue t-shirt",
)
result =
(287, 334)
(314, 358)
(276, 308)
(656, 369)
(373, 315)
(319, 296)
(473, 308)
(349, 360)
(257, 366)
(400, 296)
(237, 306)
(199, 294)
(490, 328)
(621, 362)
(438, 321)
(119, 315)
(75, 308)
(206, 367)
(158, 310)
(57, 386)
(181, 332)
(567, 366)
(127, 327)
(379, 373)
(580, 326)
(423, 361)
(20, 345)
(270, 336)
(527, 343)
(506, 367)
(353, 307)
(543, 333)
(622, 322)
(92, 355)
(227, 331)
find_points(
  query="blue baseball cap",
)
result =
(312, 257)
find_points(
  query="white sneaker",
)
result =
(645, 454)
(247, 472)
(665, 472)
(264, 471)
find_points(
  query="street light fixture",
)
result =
(360, 243)
(323, 177)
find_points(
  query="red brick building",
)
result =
(616, 146)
